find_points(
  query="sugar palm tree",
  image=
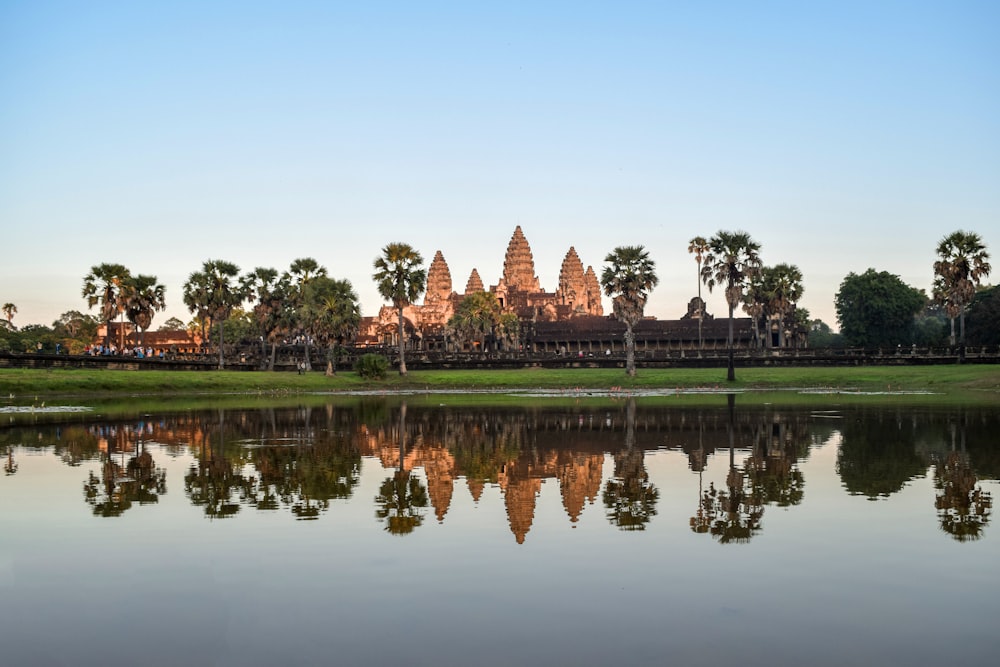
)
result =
(272, 310)
(105, 285)
(401, 279)
(143, 297)
(9, 310)
(698, 246)
(732, 261)
(302, 272)
(214, 291)
(331, 314)
(963, 263)
(784, 289)
(628, 280)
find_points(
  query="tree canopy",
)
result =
(877, 308)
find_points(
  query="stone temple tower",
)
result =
(519, 265)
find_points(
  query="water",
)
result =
(391, 531)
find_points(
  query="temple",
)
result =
(518, 291)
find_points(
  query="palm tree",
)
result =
(400, 279)
(628, 280)
(476, 316)
(214, 291)
(699, 246)
(784, 289)
(143, 297)
(963, 263)
(302, 272)
(9, 310)
(331, 314)
(272, 312)
(732, 261)
(105, 285)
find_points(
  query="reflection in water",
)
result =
(963, 507)
(401, 498)
(629, 496)
(304, 460)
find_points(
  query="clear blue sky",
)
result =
(840, 135)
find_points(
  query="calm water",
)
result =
(380, 533)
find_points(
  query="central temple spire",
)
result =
(519, 265)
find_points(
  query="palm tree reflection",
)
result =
(121, 484)
(629, 497)
(963, 508)
(401, 499)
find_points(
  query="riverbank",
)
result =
(946, 379)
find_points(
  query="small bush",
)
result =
(371, 366)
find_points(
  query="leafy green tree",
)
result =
(76, 330)
(984, 317)
(401, 280)
(331, 314)
(877, 309)
(733, 260)
(698, 246)
(821, 335)
(215, 291)
(143, 297)
(105, 285)
(476, 317)
(628, 280)
(172, 324)
(963, 263)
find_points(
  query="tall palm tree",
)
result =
(963, 263)
(302, 272)
(699, 247)
(105, 285)
(331, 314)
(9, 310)
(215, 291)
(629, 279)
(784, 289)
(143, 297)
(401, 279)
(732, 261)
(272, 312)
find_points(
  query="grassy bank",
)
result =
(30, 383)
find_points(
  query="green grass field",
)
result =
(949, 379)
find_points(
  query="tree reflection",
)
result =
(772, 471)
(10, 465)
(877, 456)
(733, 515)
(306, 475)
(402, 499)
(629, 497)
(963, 508)
(122, 484)
(212, 481)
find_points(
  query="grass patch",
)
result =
(26, 384)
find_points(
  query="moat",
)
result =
(386, 530)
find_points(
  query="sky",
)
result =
(841, 135)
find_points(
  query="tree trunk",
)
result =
(402, 343)
(629, 350)
(222, 361)
(731, 371)
(951, 338)
(329, 369)
(308, 363)
(961, 336)
(274, 353)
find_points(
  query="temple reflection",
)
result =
(303, 461)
